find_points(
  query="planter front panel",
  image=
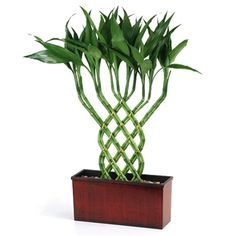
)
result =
(137, 204)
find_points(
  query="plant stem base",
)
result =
(144, 204)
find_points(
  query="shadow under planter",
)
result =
(145, 204)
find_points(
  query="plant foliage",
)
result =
(118, 38)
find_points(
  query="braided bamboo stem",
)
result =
(105, 155)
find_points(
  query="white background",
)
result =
(46, 135)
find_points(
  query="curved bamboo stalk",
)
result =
(159, 100)
(121, 174)
(144, 120)
(125, 132)
(133, 87)
(84, 101)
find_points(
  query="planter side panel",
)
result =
(118, 203)
(167, 203)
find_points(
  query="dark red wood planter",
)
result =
(145, 204)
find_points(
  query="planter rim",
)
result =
(95, 173)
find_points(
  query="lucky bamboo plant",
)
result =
(145, 50)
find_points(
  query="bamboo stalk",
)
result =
(125, 132)
(160, 100)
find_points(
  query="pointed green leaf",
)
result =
(94, 52)
(180, 66)
(88, 17)
(106, 31)
(164, 18)
(137, 55)
(140, 36)
(104, 16)
(68, 35)
(116, 12)
(87, 34)
(101, 23)
(73, 42)
(60, 52)
(174, 53)
(75, 35)
(126, 27)
(111, 13)
(146, 66)
(126, 59)
(94, 40)
(121, 46)
(161, 51)
(117, 34)
(164, 51)
(158, 34)
(135, 32)
(117, 37)
(47, 57)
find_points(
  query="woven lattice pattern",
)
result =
(121, 147)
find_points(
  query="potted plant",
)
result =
(119, 194)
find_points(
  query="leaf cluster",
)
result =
(116, 39)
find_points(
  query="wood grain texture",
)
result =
(119, 202)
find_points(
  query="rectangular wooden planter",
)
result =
(146, 204)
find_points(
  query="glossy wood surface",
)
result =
(118, 202)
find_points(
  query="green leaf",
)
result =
(87, 34)
(91, 62)
(68, 35)
(106, 31)
(117, 37)
(146, 66)
(137, 55)
(126, 59)
(174, 53)
(94, 52)
(103, 15)
(94, 40)
(157, 35)
(47, 57)
(88, 17)
(75, 36)
(140, 36)
(75, 43)
(101, 23)
(117, 34)
(116, 12)
(164, 51)
(164, 18)
(160, 52)
(180, 66)
(135, 32)
(60, 52)
(122, 46)
(126, 27)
